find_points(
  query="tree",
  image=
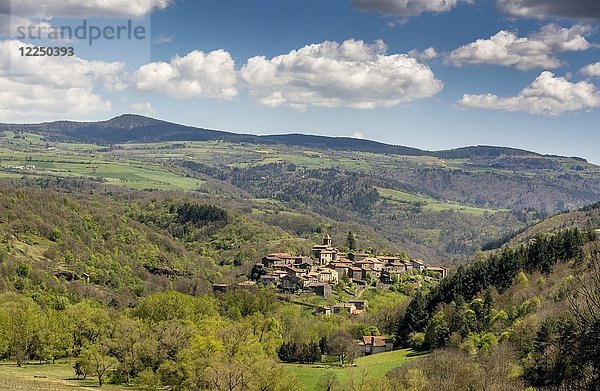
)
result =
(579, 342)
(95, 360)
(23, 327)
(351, 241)
(415, 319)
(411, 379)
(437, 331)
(343, 345)
(88, 322)
(135, 347)
(328, 382)
(268, 376)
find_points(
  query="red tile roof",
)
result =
(375, 341)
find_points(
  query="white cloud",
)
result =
(547, 94)
(144, 108)
(406, 8)
(535, 51)
(547, 8)
(358, 135)
(592, 70)
(83, 8)
(330, 74)
(425, 55)
(47, 88)
(163, 39)
(198, 74)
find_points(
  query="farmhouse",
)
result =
(418, 264)
(375, 344)
(359, 304)
(329, 275)
(320, 289)
(341, 308)
(355, 273)
(438, 269)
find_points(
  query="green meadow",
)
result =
(48, 377)
(430, 204)
(376, 365)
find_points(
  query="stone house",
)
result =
(375, 344)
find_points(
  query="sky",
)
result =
(432, 74)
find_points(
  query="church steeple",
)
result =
(327, 240)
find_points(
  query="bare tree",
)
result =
(343, 345)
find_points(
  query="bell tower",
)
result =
(327, 240)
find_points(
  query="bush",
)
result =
(417, 341)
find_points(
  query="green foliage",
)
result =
(437, 331)
(170, 306)
(498, 271)
(417, 341)
(301, 353)
(199, 215)
(328, 382)
(24, 269)
(522, 279)
(96, 361)
(351, 241)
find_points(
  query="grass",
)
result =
(51, 377)
(431, 205)
(136, 175)
(83, 160)
(60, 376)
(376, 365)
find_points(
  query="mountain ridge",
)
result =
(146, 130)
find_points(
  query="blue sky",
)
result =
(533, 86)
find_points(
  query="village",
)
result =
(325, 269)
(328, 266)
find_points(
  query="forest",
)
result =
(118, 284)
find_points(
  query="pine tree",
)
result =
(351, 241)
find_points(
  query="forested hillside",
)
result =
(118, 283)
(439, 205)
(115, 247)
(522, 316)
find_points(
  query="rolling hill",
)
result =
(432, 204)
(139, 129)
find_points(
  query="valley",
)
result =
(407, 191)
(175, 258)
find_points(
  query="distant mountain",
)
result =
(139, 129)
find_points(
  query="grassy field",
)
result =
(60, 376)
(376, 365)
(430, 204)
(51, 377)
(79, 160)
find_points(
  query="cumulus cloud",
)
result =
(329, 74)
(82, 8)
(548, 8)
(198, 74)
(46, 88)
(358, 135)
(535, 51)
(425, 55)
(406, 8)
(592, 70)
(548, 94)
